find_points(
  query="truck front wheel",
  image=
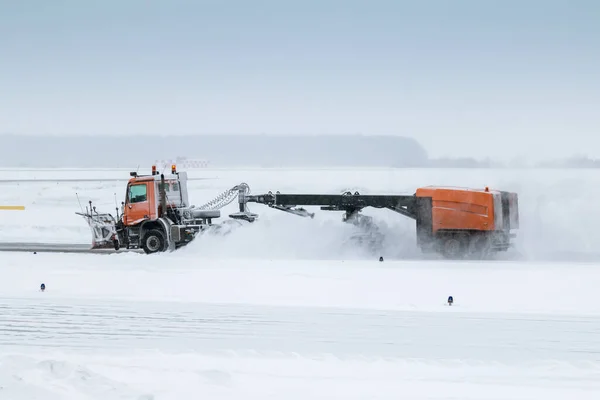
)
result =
(153, 241)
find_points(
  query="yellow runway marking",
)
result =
(12, 208)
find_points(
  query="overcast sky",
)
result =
(479, 78)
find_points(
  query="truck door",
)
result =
(137, 204)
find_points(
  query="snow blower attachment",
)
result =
(456, 222)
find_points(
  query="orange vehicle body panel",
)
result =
(458, 208)
(136, 212)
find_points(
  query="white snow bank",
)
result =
(154, 376)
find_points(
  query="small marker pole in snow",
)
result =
(450, 300)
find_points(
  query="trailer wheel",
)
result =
(479, 247)
(453, 247)
(153, 241)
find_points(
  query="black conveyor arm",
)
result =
(403, 204)
(411, 206)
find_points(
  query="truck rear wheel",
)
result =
(153, 241)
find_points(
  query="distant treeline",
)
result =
(268, 151)
(577, 161)
(464, 162)
(219, 150)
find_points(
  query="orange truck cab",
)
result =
(142, 200)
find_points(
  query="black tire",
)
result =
(153, 241)
(479, 247)
(454, 246)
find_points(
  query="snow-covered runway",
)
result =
(289, 309)
(303, 331)
(155, 327)
(154, 375)
(168, 351)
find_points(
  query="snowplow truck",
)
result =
(453, 222)
(156, 215)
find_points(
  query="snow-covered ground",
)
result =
(289, 308)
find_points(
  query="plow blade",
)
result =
(103, 228)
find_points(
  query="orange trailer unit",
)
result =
(467, 220)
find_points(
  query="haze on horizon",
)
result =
(463, 78)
